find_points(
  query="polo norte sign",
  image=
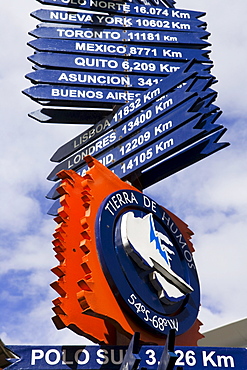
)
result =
(118, 50)
(146, 69)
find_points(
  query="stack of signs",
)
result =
(100, 60)
(146, 64)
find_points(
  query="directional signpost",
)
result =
(140, 74)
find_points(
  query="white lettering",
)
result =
(149, 203)
(85, 353)
(163, 105)
(37, 354)
(151, 94)
(64, 358)
(162, 127)
(163, 145)
(207, 358)
(103, 358)
(56, 359)
(119, 200)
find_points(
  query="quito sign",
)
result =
(126, 263)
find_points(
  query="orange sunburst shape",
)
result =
(86, 303)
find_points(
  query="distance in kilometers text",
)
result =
(158, 322)
(126, 8)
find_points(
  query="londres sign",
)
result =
(140, 75)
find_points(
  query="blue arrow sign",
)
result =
(176, 162)
(108, 64)
(161, 149)
(76, 96)
(178, 100)
(119, 21)
(167, 37)
(118, 139)
(175, 136)
(124, 113)
(74, 78)
(94, 357)
(125, 8)
(167, 167)
(119, 50)
(85, 20)
(53, 76)
(167, 123)
(193, 84)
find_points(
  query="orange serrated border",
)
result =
(86, 303)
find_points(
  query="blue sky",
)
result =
(209, 196)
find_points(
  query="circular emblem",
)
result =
(147, 262)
